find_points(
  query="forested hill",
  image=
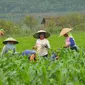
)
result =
(41, 6)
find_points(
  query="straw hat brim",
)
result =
(15, 42)
(10, 40)
(37, 35)
(65, 31)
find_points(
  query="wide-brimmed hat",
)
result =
(10, 39)
(64, 31)
(37, 35)
(1, 29)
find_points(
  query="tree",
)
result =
(9, 27)
(30, 21)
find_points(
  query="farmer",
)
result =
(42, 44)
(9, 46)
(1, 32)
(54, 56)
(70, 42)
(31, 54)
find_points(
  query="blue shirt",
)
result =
(72, 42)
(28, 52)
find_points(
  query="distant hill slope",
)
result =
(38, 6)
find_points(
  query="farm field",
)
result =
(68, 70)
(20, 20)
(27, 42)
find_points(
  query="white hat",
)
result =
(37, 35)
(10, 39)
(64, 31)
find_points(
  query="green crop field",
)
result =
(56, 42)
(68, 70)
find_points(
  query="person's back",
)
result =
(69, 42)
(8, 49)
(31, 54)
(28, 52)
(9, 46)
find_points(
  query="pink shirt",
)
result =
(68, 41)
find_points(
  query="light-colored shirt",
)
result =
(8, 48)
(42, 47)
(68, 41)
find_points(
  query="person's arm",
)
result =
(72, 42)
(14, 50)
(35, 47)
(4, 50)
(47, 44)
(67, 43)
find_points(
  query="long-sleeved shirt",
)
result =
(42, 47)
(70, 42)
(8, 48)
(28, 52)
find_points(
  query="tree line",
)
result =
(31, 24)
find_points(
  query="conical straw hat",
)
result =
(64, 31)
(36, 35)
(10, 39)
(1, 29)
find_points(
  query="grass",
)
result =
(56, 42)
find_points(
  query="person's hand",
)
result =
(57, 57)
(1, 33)
(66, 46)
(32, 57)
(34, 47)
(44, 46)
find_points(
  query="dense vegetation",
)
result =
(68, 70)
(33, 6)
(30, 24)
(16, 9)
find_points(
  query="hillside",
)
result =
(38, 6)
